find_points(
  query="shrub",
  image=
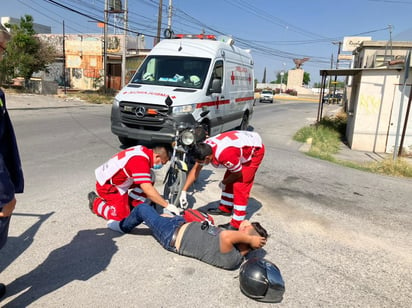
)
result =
(291, 92)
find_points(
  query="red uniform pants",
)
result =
(235, 197)
(111, 204)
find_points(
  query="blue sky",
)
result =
(275, 31)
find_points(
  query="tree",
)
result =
(264, 76)
(25, 54)
(306, 78)
(255, 84)
(280, 79)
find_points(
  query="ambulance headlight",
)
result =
(116, 102)
(187, 137)
(184, 109)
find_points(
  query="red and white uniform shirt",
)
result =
(127, 170)
(233, 149)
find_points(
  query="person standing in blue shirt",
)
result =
(11, 174)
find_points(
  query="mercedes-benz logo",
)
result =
(140, 112)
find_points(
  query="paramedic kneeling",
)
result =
(126, 179)
(207, 243)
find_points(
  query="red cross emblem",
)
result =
(231, 135)
(122, 154)
(233, 77)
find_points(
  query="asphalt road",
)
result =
(341, 237)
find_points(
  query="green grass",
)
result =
(325, 138)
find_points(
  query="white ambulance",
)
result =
(198, 73)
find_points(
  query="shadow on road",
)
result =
(253, 206)
(16, 246)
(88, 254)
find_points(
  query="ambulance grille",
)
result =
(135, 115)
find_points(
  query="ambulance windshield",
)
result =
(183, 72)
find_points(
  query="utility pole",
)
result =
(159, 22)
(124, 53)
(331, 67)
(169, 16)
(337, 64)
(106, 17)
(64, 59)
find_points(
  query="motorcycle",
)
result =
(187, 135)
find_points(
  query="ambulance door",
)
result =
(218, 99)
(235, 75)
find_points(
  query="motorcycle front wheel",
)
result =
(173, 185)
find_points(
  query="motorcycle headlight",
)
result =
(184, 109)
(187, 137)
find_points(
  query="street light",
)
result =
(282, 73)
(281, 80)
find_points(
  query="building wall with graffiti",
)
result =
(84, 59)
(374, 116)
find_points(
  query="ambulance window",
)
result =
(218, 71)
(147, 72)
(216, 81)
(187, 72)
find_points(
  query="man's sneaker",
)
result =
(114, 225)
(91, 196)
(227, 226)
(217, 211)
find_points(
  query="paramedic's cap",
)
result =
(195, 80)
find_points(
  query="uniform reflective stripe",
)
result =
(140, 177)
(100, 207)
(236, 168)
(237, 217)
(140, 174)
(240, 207)
(137, 197)
(106, 211)
(227, 195)
(125, 172)
(227, 203)
(137, 190)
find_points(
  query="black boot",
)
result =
(91, 196)
(2, 290)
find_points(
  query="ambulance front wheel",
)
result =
(245, 122)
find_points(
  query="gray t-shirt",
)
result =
(204, 245)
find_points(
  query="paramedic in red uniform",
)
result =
(241, 153)
(125, 180)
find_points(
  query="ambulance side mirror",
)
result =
(216, 86)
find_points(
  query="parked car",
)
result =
(332, 98)
(266, 96)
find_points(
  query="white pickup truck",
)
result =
(266, 96)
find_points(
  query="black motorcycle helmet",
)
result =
(261, 280)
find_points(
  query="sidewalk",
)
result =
(36, 101)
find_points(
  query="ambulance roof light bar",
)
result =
(196, 36)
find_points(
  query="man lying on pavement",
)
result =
(213, 245)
